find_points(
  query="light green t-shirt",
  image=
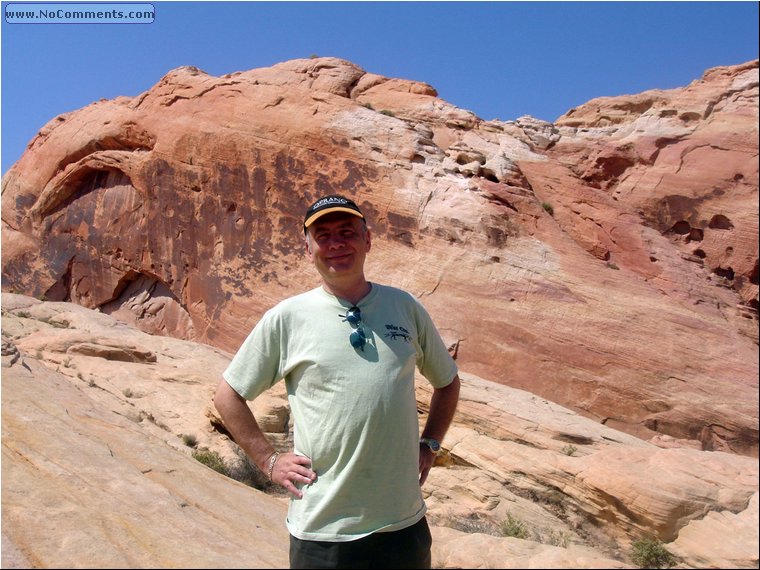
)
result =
(354, 411)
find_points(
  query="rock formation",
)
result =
(101, 421)
(606, 262)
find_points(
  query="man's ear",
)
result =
(307, 243)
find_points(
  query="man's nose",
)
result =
(336, 241)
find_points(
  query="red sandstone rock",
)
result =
(607, 262)
(98, 465)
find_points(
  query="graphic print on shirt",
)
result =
(396, 332)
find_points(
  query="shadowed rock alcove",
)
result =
(146, 303)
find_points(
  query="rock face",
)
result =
(93, 469)
(607, 262)
(100, 422)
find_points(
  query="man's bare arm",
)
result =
(443, 404)
(289, 469)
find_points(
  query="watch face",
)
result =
(432, 444)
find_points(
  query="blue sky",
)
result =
(500, 60)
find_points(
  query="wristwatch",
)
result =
(433, 444)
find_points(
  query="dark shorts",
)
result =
(405, 548)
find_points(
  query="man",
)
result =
(347, 351)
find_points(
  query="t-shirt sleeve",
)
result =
(433, 359)
(256, 365)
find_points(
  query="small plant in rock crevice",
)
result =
(189, 440)
(242, 470)
(211, 459)
(650, 553)
(514, 527)
(569, 449)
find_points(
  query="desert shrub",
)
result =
(211, 459)
(650, 553)
(189, 439)
(569, 449)
(556, 538)
(548, 208)
(514, 527)
(245, 471)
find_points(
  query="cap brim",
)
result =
(316, 215)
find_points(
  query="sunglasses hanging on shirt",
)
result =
(357, 338)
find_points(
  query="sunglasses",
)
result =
(357, 338)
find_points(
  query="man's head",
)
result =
(328, 205)
(337, 238)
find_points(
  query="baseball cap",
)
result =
(327, 205)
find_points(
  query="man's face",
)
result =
(338, 244)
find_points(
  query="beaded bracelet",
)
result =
(272, 461)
